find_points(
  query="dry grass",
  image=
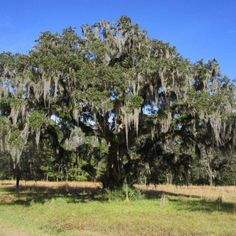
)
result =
(225, 193)
(51, 185)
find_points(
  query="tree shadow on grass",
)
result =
(203, 205)
(192, 202)
(27, 195)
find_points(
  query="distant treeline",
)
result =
(43, 166)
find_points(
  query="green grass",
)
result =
(56, 213)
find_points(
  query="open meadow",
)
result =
(82, 208)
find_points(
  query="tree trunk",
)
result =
(210, 174)
(169, 178)
(210, 179)
(17, 176)
(187, 177)
(114, 176)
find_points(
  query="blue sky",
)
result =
(200, 29)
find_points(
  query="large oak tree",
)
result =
(117, 86)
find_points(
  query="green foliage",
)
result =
(16, 103)
(208, 103)
(36, 119)
(4, 124)
(5, 166)
(15, 139)
(134, 102)
(98, 99)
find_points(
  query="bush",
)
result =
(120, 194)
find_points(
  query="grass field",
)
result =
(78, 209)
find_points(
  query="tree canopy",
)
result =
(130, 100)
